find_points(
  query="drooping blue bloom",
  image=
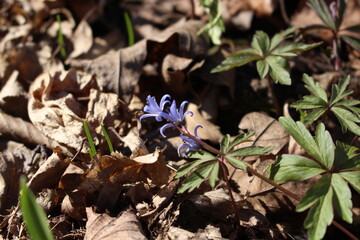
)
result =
(174, 116)
(189, 144)
(152, 109)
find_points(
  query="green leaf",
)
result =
(34, 216)
(236, 162)
(348, 103)
(249, 151)
(214, 174)
(196, 178)
(342, 197)
(290, 167)
(320, 216)
(325, 145)
(349, 150)
(318, 190)
(338, 91)
(235, 61)
(314, 115)
(315, 88)
(302, 136)
(309, 102)
(346, 123)
(341, 12)
(129, 29)
(224, 146)
(294, 48)
(261, 42)
(107, 138)
(243, 137)
(354, 28)
(352, 41)
(279, 37)
(353, 178)
(92, 150)
(203, 158)
(322, 10)
(277, 71)
(262, 67)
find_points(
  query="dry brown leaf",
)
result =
(209, 131)
(268, 131)
(82, 39)
(101, 226)
(261, 7)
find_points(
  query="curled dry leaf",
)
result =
(102, 226)
(209, 131)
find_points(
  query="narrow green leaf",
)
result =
(214, 174)
(107, 138)
(353, 178)
(322, 10)
(290, 167)
(318, 190)
(325, 145)
(342, 197)
(235, 61)
(204, 157)
(314, 115)
(320, 216)
(278, 72)
(354, 28)
(341, 12)
(279, 37)
(294, 48)
(348, 103)
(34, 216)
(60, 38)
(350, 151)
(249, 151)
(92, 150)
(262, 67)
(352, 41)
(129, 29)
(224, 146)
(196, 178)
(302, 136)
(338, 91)
(345, 114)
(236, 162)
(261, 42)
(314, 88)
(309, 102)
(346, 123)
(243, 137)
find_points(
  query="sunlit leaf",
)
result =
(342, 197)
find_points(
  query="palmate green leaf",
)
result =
(225, 142)
(279, 37)
(261, 42)
(203, 158)
(353, 178)
(320, 216)
(237, 60)
(314, 88)
(302, 136)
(34, 216)
(342, 197)
(197, 177)
(314, 115)
(352, 41)
(236, 162)
(318, 190)
(309, 102)
(243, 137)
(339, 91)
(249, 151)
(347, 119)
(290, 167)
(325, 145)
(262, 67)
(277, 71)
(323, 12)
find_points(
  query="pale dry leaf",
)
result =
(82, 39)
(18, 129)
(260, 7)
(209, 131)
(102, 226)
(268, 131)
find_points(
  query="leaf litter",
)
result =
(131, 193)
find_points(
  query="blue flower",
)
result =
(189, 143)
(153, 109)
(174, 116)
